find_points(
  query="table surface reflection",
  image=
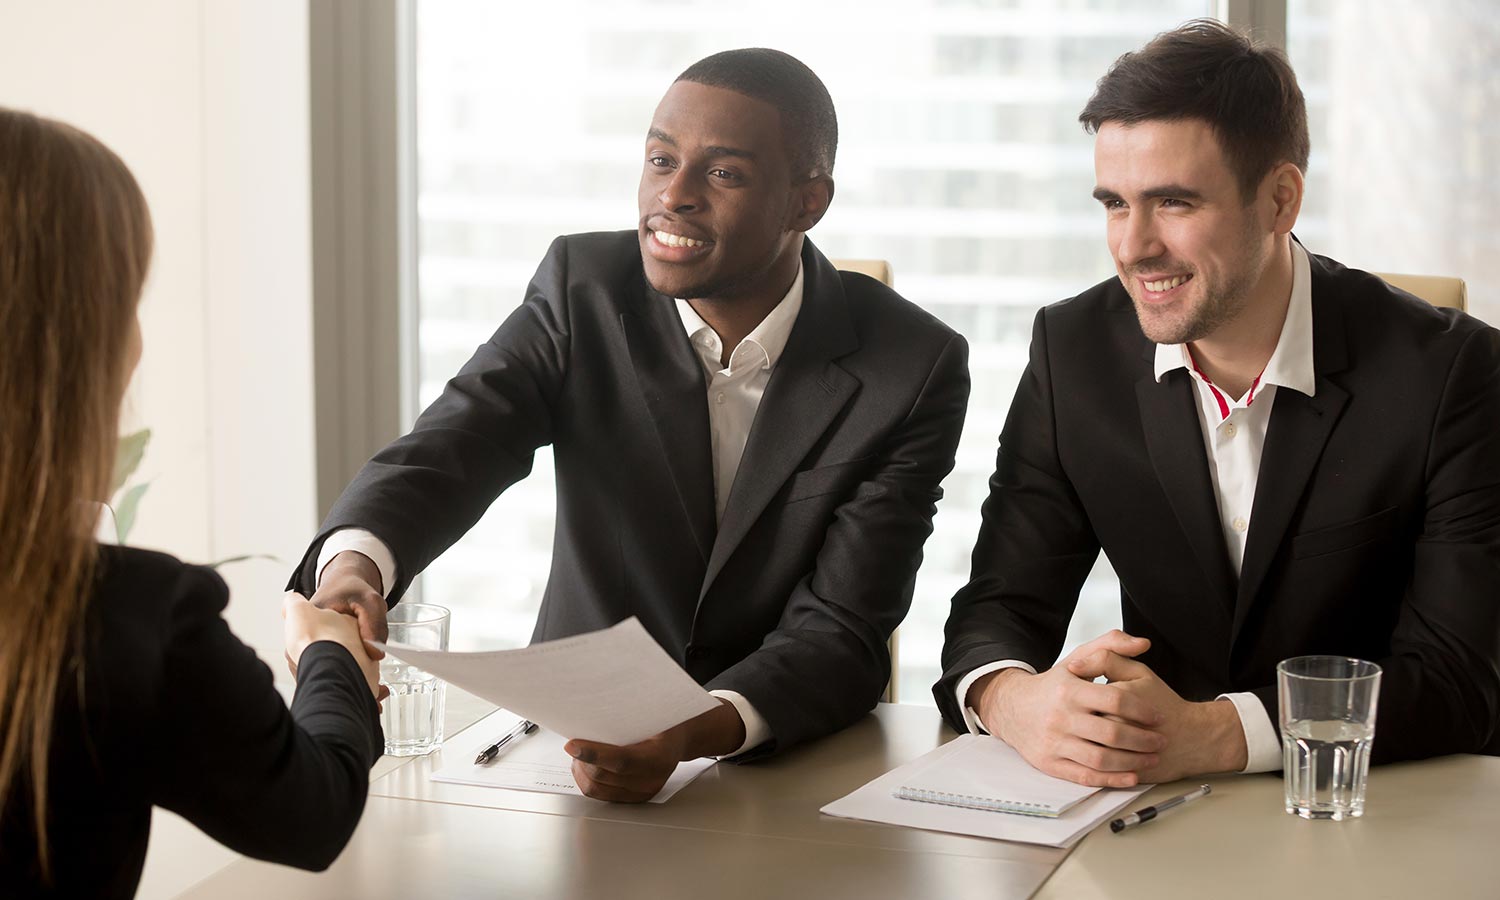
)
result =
(755, 831)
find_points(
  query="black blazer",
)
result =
(1375, 530)
(791, 599)
(171, 710)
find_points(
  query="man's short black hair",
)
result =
(1205, 70)
(808, 123)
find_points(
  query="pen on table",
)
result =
(1142, 816)
(525, 726)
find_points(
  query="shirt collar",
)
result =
(768, 338)
(1291, 363)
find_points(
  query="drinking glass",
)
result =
(412, 716)
(1327, 706)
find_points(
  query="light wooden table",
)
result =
(737, 832)
(754, 832)
(1430, 829)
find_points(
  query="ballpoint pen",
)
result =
(525, 726)
(1142, 816)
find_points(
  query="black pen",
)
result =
(525, 726)
(1140, 817)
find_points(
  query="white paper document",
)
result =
(616, 686)
(535, 762)
(876, 802)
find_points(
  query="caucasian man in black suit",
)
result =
(1279, 455)
(748, 442)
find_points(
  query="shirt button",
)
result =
(719, 398)
(1239, 524)
(1230, 430)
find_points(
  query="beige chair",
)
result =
(880, 270)
(1435, 289)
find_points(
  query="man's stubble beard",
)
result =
(1222, 303)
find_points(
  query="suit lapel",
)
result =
(672, 383)
(1295, 437)
(1174, 439)
(806, 391)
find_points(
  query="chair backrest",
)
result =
(1438, 290)
(878, 269)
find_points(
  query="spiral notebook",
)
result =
(987, 774)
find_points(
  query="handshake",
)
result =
(349, 609)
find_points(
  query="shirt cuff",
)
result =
(1263, 748)
(360, 541)
(971, 718)
(757, 732)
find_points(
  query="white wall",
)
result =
(207, 102)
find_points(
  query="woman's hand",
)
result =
(305, 624)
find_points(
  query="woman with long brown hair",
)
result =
(121, 687)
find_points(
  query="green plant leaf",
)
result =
(126, 510)
(128, 458)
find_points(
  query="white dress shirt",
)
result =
(1234, 433)
(733, 394)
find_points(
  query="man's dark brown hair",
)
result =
(1205, 70)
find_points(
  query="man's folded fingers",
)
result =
(1077, 773)
(1115, 641)
(1105, 759)
(1118, 734)
(1109, 664)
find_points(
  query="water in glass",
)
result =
(1326, 764)
(412, 716)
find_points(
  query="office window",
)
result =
(1404, 104)
(960, 161)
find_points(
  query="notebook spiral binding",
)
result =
(970, 801)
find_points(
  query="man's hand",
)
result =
(1064, 724)
(1201, 738)
(305, 624)
(635, 774)
(351, 585)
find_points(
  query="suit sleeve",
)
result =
(276, 784)
(826, 663)
(1440, 685)
(1034, 550)
(422, 492)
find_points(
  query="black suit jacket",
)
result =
(1375, 530)
(791, 598)
(170, 709)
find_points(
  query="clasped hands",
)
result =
(1132, 729)
(350, 592)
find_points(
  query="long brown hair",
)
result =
(75, 240)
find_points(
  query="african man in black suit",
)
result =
(748, 443)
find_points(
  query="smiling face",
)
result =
(720, 215)
(1187, 245)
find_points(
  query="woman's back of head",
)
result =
(75, 241)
